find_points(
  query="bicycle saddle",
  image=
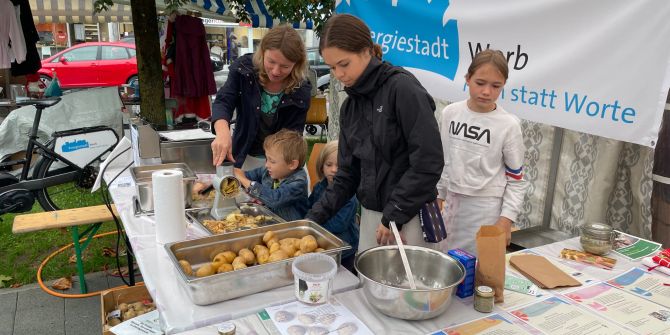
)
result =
(39, 103)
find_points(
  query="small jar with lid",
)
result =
(484, 297)
(596, 238)
(226, 328)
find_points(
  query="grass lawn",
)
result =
(21, 254)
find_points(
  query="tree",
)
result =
(145, 24)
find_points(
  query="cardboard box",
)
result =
(109, 299)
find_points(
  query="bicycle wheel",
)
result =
(73, 194)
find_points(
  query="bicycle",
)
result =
(65, 172)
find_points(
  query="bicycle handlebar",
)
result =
(39, 103)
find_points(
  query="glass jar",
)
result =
(596, 238)
(226, 328)
(484, 297)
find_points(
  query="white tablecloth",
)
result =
(177, 311)
(460, 311)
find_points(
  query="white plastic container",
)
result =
(314, 275)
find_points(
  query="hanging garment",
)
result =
(194, 76)
(10, 34)
(33, 61)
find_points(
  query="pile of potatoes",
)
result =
(127, 311)
(272, 250)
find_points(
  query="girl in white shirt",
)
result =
(482, 181)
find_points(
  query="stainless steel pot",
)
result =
(386, 287)
(144, 185)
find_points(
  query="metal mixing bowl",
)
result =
(386, 287)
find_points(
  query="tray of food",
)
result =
(222, 267)
(245, 216)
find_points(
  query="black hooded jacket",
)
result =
(390, 151)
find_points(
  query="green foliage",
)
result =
(285, 10)
(4, 279)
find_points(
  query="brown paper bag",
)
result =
(491, 246)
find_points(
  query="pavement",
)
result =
(28, 310)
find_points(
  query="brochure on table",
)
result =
(647, 285)
(637, 313)
(633, 247)
(329, 318)
(491, 325)
(557, 317)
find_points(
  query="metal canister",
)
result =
(226, 328)
(484, 297)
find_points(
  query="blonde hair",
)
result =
(489, 56)
(290, 143)
(327, 150)
(285, 39)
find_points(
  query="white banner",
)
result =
(599, 66)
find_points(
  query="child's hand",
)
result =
(506, 225)
(239, 174)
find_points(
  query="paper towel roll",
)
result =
(168, 189)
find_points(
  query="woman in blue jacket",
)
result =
(344, 223)
(269, 91)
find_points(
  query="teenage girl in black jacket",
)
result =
(390, 152)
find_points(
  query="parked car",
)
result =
(92, 64)
(316, 62)
(217, 62)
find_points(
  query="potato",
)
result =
(230, 256)
(129, 314)
(274, 247)
(288, 248)
(137, 305)
(297, 253)
(263, 256)
(225, 267)
(319, 249)
(186, 267)
(258, 248)
(277, 256)
(308, 244)
(239, 263)
(205, 270)
(268, 236)
(124, 306)
(272, 241)
(113, 322)
(249, 257)
(221, 258)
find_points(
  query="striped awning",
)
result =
(258, 12)
(76, 11)
(81, 11)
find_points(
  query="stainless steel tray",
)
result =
(254, 279)
(199, 215)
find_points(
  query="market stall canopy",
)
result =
(81, 11)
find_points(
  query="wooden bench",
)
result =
(68, 218)
(64, 218)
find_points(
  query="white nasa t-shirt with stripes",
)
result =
(483, 156)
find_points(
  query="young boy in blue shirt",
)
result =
(281, 184)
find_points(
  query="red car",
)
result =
(92, 64)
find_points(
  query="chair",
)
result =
(317, 115)
(311, 164)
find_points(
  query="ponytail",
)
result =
(377, 51)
